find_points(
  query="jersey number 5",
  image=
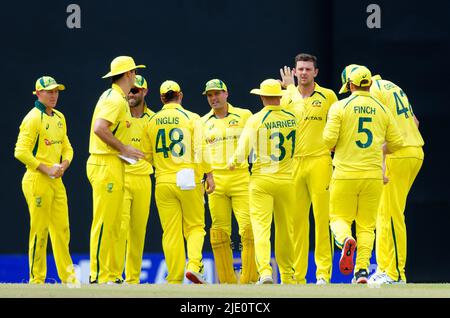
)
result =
(176, 137)
(366, 131)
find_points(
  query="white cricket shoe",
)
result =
(381, 279)
(265, 280)
(321, 281)
(375, 276)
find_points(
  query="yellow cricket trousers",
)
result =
(312, 180)
(231, 194)
(106, 175)
(182, 216)
(135, 213)
(47, 204)
(355, 200)
(402, 168)
(272, 196)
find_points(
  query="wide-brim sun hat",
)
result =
(122, 64)
(269, 87)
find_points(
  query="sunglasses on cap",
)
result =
(135, 90)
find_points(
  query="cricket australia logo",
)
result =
(109, 187)
(38, 202)
(316, 103)
(233, 123)
(60, 124)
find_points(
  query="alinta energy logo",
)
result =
(52, 142)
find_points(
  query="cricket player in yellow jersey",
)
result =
(138, 189)
(105, 170)
(222, 127)
(357, 127)
(271, 136)
(402, 167)
(176, 154)
(313, 167)
(44, 148)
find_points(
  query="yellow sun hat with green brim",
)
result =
(122, 64)
(215, 85)
(345, 77)
(361, 77)
(47, 83)
(140, 82)
(168, 86)
(268, 87)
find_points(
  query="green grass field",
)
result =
(225, 291)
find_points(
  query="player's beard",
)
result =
(136, 101)
(306, 82)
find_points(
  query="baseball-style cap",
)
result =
(168, 86)
(47, 83)
(345, 77)
(122, 64)
(268, 87)
(140, 82)
(215, 84)
(361, 77)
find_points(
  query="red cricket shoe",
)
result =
(194, 277)
(346, 264)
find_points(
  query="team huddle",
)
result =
(353, 160)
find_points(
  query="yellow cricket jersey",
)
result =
(139, 138)
(221, 135)
(175, 143)
(312, 122)
(397, 102)
(43, 138)
(113, 107)
(269, 137)
(358, 126)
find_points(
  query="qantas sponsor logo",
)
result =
(52, 142)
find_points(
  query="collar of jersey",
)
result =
(317, 89)
(273, 107)
(119, 89)
(172, 106)
(230, 111)
(361, 93)
(41, 107)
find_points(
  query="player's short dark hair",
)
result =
(169, 96)
(115, 78)
(306, 58)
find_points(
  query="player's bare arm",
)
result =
(101, 129)
(416, 121)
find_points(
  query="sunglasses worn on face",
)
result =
(135, 90)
